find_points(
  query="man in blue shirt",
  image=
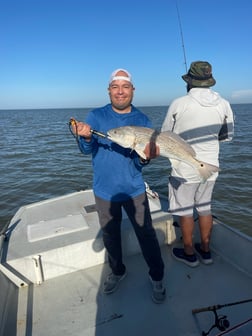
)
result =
(118, 183)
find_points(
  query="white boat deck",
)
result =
(75, 305)
(42, 302)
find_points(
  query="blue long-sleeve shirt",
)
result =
(117, 170)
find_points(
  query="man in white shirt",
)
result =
(202, 118)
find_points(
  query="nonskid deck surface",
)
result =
(64, 268)
(74, 304)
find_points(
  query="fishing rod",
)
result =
(3, 236)
(181, 35)
(221, 322)
(72, 124)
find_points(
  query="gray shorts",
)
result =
(184, 198)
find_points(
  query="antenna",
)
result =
(181, 34)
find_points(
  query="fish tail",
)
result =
(206, 170)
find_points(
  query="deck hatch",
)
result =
(56, 227)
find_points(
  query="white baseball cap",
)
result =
(126, 77)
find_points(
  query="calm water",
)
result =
(39, 159)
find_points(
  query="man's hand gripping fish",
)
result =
(171, 146)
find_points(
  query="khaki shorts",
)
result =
(184, 198)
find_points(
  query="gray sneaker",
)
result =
(112, 282)
(158, 291)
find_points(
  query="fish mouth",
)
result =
(109, 135)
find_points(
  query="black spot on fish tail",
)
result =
(206, 170)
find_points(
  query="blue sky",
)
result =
(60, 53)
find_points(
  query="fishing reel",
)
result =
(221, 322)
(72, 124)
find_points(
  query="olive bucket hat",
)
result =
(199, 74)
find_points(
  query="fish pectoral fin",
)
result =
(139, 149)
(141, 153)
